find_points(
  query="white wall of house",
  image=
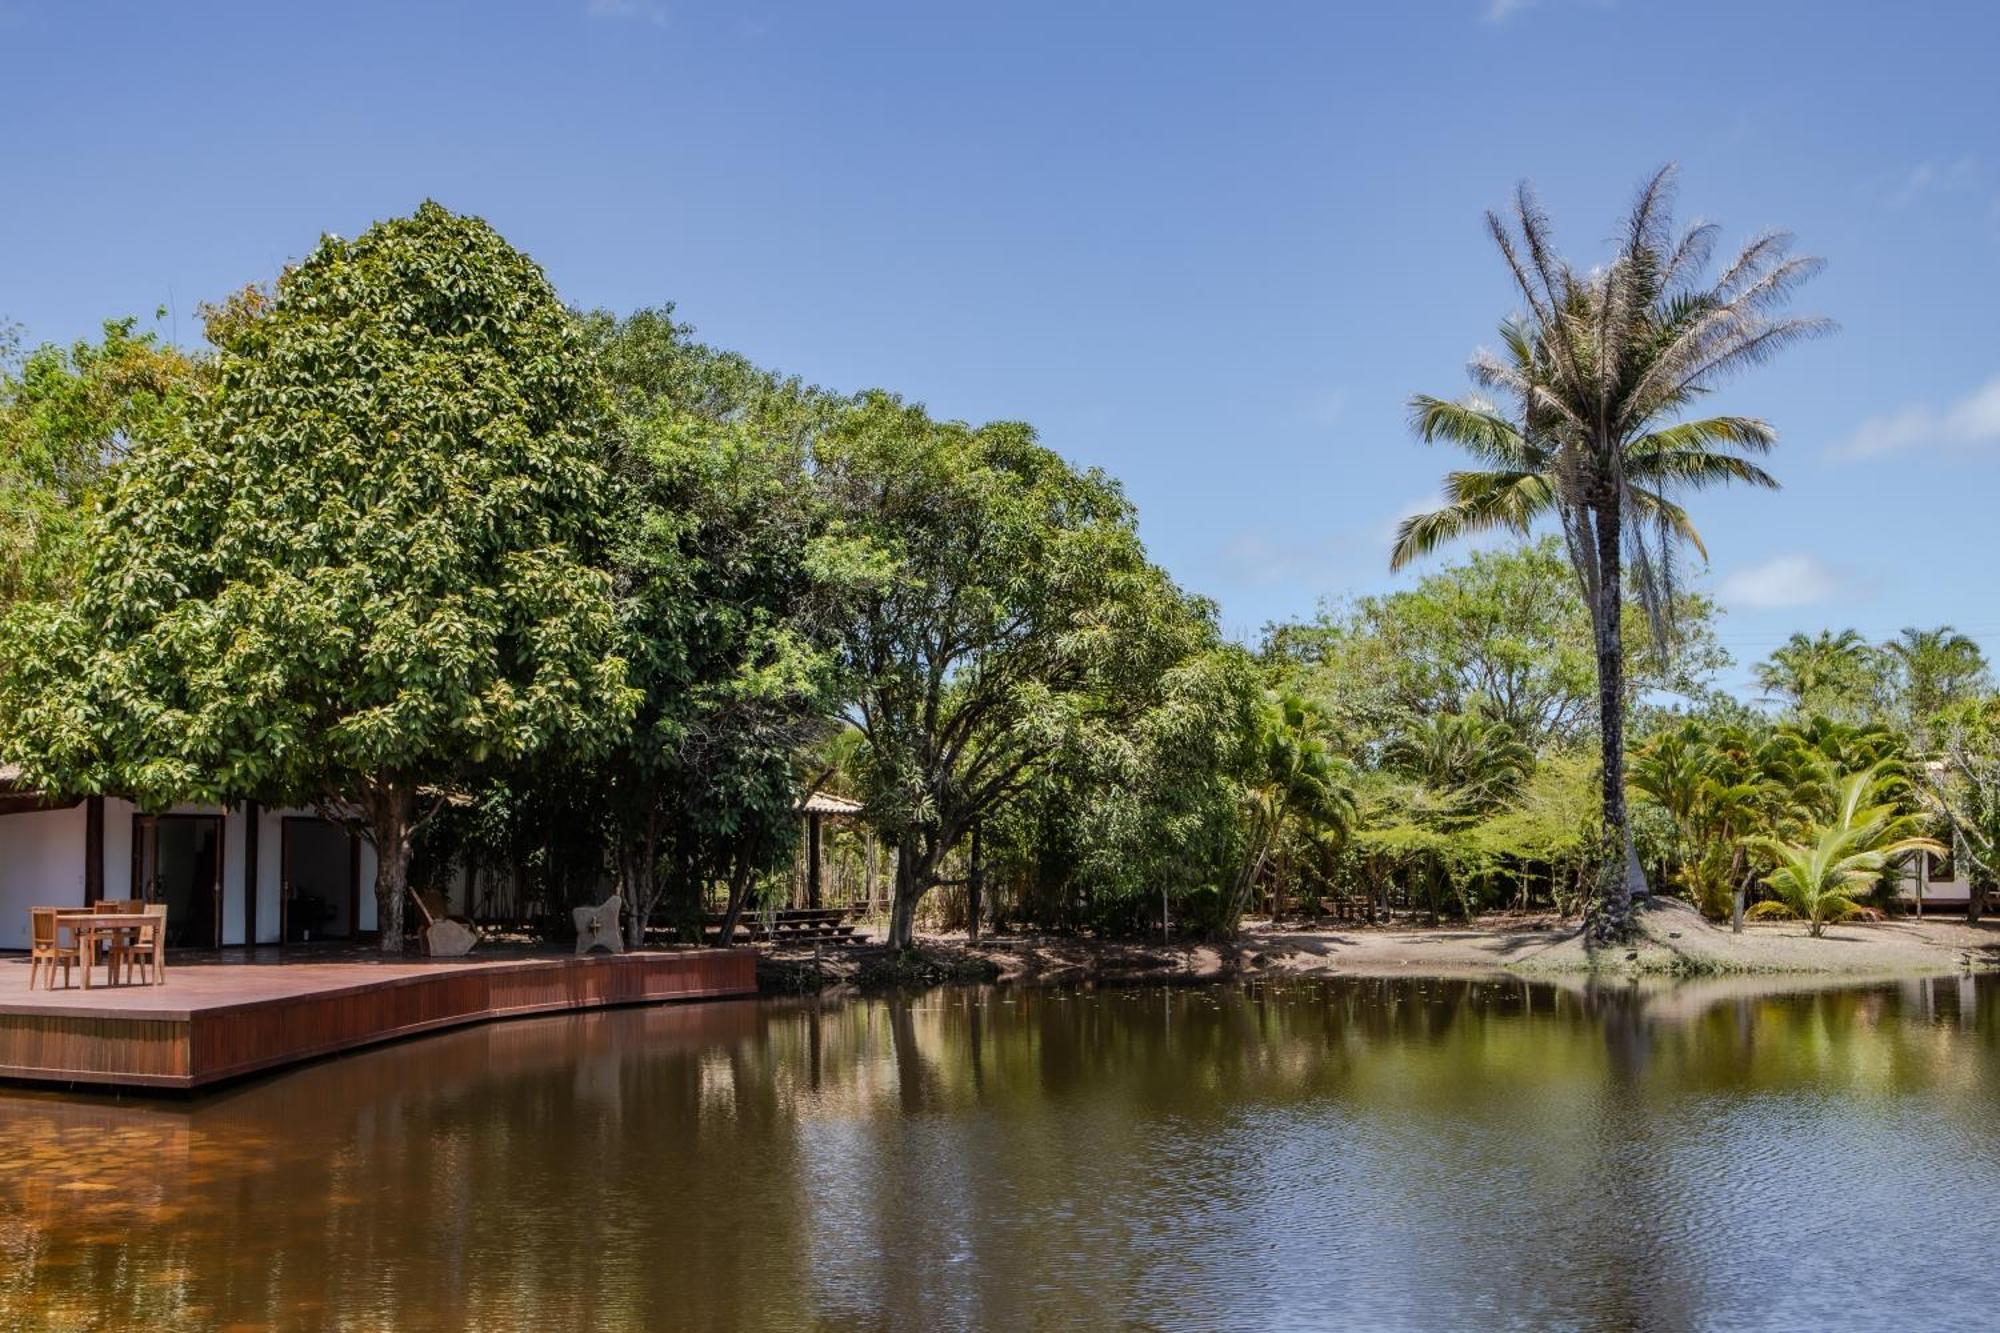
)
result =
(270, 875)
(1920, 869)
(41, 865)
(42, 855)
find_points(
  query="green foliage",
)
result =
(730, 585)
(1505, 631)
(1140, 827)
(67, 415)
(1961, 789)
(366, 565)
(1826, 674)
(1840, 857)
(1934, 671)
(1473, 762)
(1296, 783)
(1725, 789)
(1008, 616)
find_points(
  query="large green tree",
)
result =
(1008, 609)
(1600, 375)
(729, 585)
(368, 566)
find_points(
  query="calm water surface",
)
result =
(1376, 1154)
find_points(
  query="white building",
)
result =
(1930, 883)
(229, 876)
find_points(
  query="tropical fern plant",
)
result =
(1820, 876)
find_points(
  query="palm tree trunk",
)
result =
(1618, 866)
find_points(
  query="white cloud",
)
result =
(1971, 421)
(1798, 579)
(1499, 11)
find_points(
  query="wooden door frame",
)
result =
(140, 822)
(285, 823)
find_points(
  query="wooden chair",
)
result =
(146, 951)
(116, 948)
(47, 947)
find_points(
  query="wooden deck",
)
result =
(215, 1021)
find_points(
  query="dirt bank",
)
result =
(1672, 940)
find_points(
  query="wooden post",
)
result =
(812, 861)
(93, 849)
(250, 822)
(873, 880)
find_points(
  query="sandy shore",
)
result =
(1674, 940)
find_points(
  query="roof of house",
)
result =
(826, 803)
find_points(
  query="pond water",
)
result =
(1348, 1153)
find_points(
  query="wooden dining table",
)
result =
(90, 927)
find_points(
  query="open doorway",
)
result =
(177, 860)
(319, 884)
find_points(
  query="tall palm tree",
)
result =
(1600, 373)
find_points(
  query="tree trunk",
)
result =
(1975, 900)
(1739, 878)
(973, 876)
(642, 880)
(739, 892)
(911, 881)
(390, 813)
(1619, 877)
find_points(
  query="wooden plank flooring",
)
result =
(214, 1021)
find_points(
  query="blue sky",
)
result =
(1211, 248)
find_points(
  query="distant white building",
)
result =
(1934, 882)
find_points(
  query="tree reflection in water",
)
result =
(1369, 1152)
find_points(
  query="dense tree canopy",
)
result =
(1506, 631)
(573, 596)
(67, 416)
(1008, 611)
(730, 583)
(366, 565)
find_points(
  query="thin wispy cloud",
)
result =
(1969, 423)
(1326, 409)
(1931, 178)
(1257, 558)
(1499, 11)
(1423, 504)
(1796, 579)
(643, 11)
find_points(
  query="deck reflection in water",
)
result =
(1349, 1153)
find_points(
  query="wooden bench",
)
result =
(791, 923)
